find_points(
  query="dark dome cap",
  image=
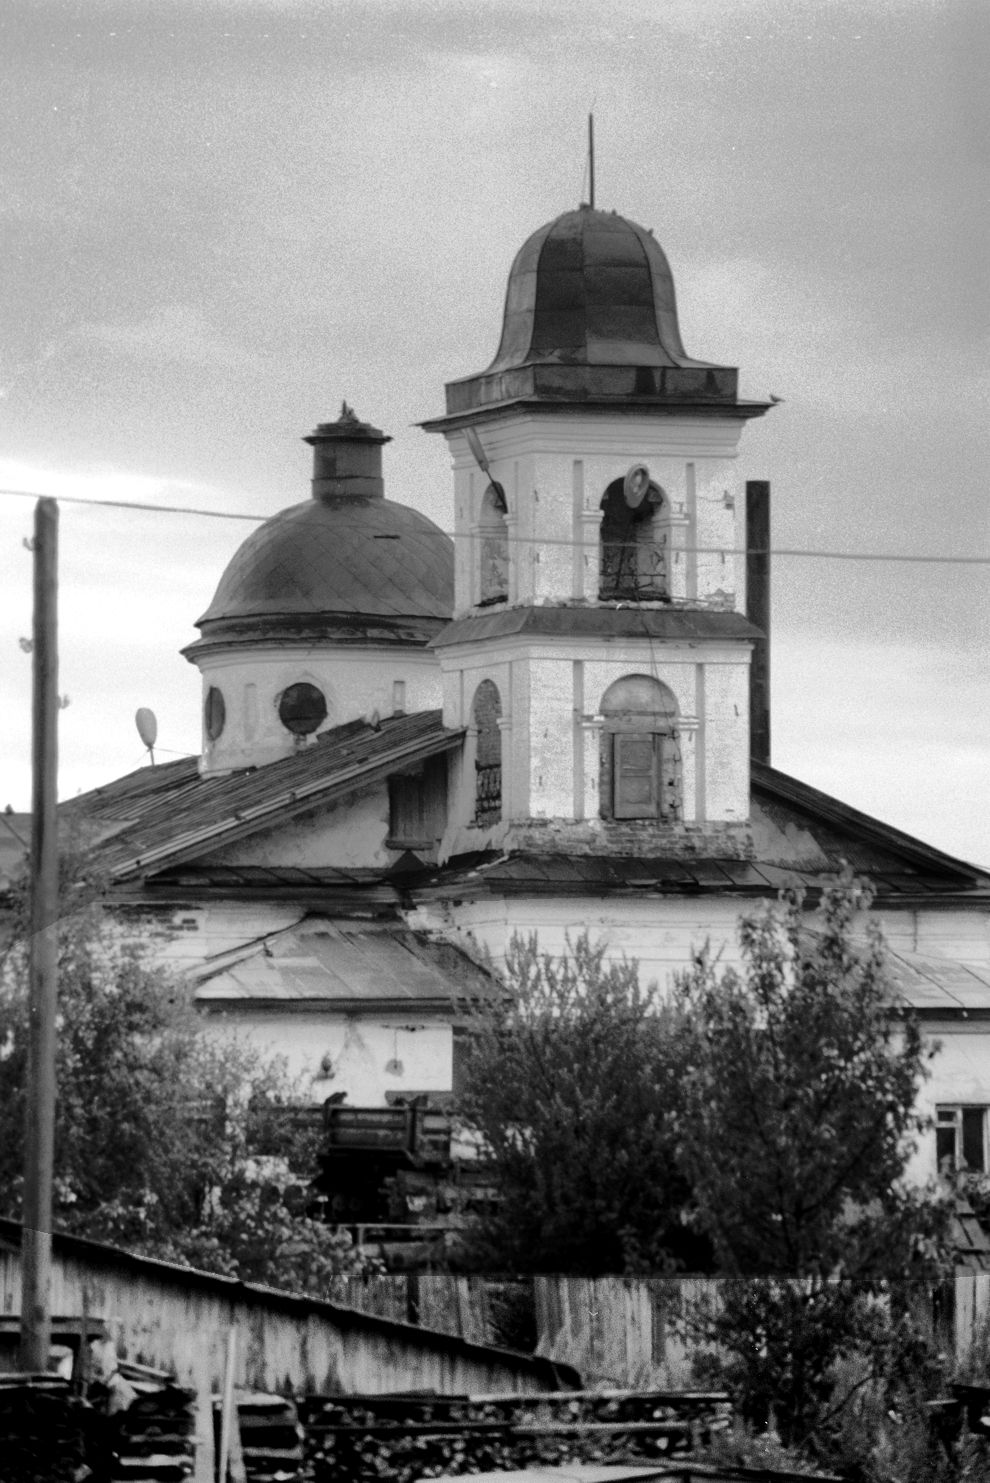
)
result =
(347, 566)
(590, 312)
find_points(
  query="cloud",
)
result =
(176, 332)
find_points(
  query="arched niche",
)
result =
(493, 533)
(641, 772)
(486, 712)
(634, 542)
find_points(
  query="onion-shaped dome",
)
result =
(590, 313)
(347, 565)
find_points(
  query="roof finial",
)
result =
(591, 160)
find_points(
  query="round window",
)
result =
(302, 708)
(214, 713)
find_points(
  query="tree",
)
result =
(167, 1141)
(572, 1079)
(799, 1115)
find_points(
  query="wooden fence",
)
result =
(454, 1305)
(177, 1319)
(636, 1331)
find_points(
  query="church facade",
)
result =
(414, 748)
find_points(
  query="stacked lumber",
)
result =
(271, 1437)
(154, 1439)
(356, 1439)
(46, 1434)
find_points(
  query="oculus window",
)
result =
(302, 708)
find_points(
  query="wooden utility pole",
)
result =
(39, 1143)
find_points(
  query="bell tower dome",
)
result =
(325, 612)
(598, 646)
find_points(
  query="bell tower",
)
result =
(598, 653)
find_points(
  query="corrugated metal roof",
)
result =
(939, 983)
(559, 874)
(339, 962)
(180, 815)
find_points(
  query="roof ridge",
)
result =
(795, 790)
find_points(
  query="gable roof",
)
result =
(161, 817)
(342, 965)
(162, 821)
(842, 832)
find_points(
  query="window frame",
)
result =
(967, 1122)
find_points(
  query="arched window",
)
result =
(494, 537)
(633, 540)
(485, 713)
(640, 756)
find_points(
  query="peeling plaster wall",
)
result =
(358, 1049)
(551, 693)
(183, 936)
(555, 470)
(355, 681)
(960, 1074)
(663, 932)
(660, 934)
(352, 834)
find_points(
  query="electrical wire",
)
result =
(789, 551)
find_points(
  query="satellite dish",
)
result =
(147, 725)
(635, 485)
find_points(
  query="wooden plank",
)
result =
(202, 1384)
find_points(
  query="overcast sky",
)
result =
(223, 216)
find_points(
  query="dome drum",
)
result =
(347, 458)
(677, 386)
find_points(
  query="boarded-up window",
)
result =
(486, 713)
(418, 806)
(640, 756)
(636, 776)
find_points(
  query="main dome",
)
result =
(347, 565)
(590, 312)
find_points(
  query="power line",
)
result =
(789, 551)
(131, 504)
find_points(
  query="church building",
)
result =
(414, 748)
